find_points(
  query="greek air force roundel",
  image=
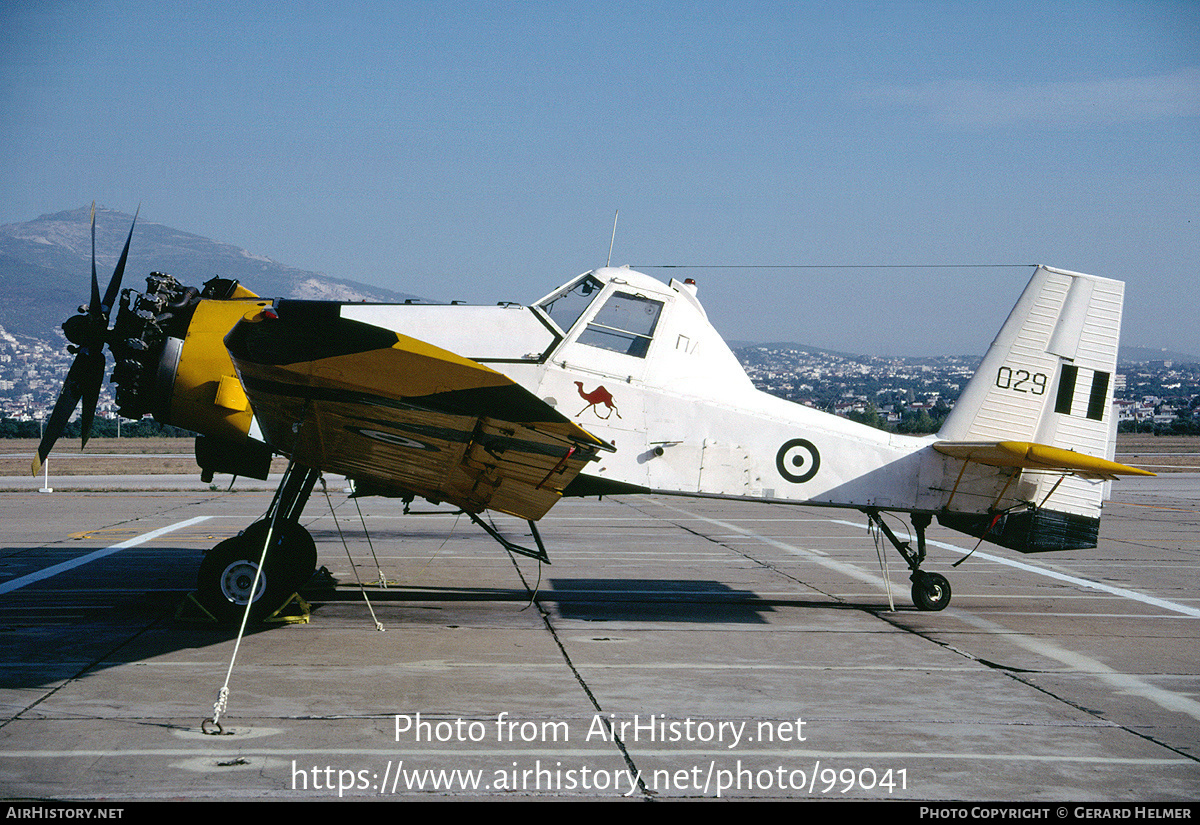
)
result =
(798, 460)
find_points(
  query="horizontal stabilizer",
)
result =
(1028, 455)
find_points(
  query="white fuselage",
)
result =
(637, 363)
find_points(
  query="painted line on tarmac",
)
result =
(1107, 588)
(863, 576)
(819, 556)
(1054, 574)
(54, 570)
(1122, 682)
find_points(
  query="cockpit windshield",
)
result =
(566, 305)
(624, 324)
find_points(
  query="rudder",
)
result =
(1048, 375)
(1047, 379)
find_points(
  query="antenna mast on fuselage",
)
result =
(614, 238)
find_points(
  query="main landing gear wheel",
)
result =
(930, 591)
(228, 570)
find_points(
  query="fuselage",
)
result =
(637, 363)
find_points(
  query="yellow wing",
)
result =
(403, 417)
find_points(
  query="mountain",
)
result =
(45, 267)
(1144, 355)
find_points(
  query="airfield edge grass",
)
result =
(109, 456)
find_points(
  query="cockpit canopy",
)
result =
(625, 323)
(618, 322)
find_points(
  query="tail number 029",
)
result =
(1021, 381)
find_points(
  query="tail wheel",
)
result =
(930, 591)
(225, 582)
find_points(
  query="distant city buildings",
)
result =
(32, 371)
(914, 394)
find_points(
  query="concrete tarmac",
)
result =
(675, 649)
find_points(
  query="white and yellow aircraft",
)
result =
(614, 383)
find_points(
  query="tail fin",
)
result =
(1048, 376)
(1047, 380)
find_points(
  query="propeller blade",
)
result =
(88, 331)
(114, 286)
(90, 379)
(82, 369)
(94, 306)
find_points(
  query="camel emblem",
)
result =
(595, 397)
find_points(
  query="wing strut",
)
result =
(540, 554)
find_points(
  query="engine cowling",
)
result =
(171, 363)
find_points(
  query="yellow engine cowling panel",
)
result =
(231, 396)
(207, 397)
(240, 293)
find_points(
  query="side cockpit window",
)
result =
(624, 324)
(565, 306)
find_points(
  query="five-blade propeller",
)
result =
(87, 332)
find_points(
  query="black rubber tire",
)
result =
(227, 571)
(930, 591)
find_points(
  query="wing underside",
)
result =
(402, 417)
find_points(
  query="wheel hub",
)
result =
(238, 578)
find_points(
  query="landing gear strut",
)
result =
(930, 591)
(228, 570)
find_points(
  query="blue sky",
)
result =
(478, 151)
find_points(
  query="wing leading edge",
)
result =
(400, 416)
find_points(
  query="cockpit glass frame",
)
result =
(625, 324)
(566, 306)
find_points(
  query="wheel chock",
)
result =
(191, 610)
(299, 613)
